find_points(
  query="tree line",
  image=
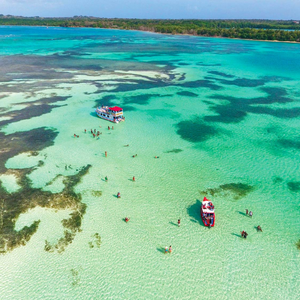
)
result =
(243, 29)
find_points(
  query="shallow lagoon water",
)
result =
(223, 117)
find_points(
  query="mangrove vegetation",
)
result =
(271, 30)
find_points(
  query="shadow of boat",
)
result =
(93, 114)
(194, 212)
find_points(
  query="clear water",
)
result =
(220, 114)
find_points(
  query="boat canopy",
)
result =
(115, 108)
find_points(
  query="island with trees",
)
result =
(270, 30)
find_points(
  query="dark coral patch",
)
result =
(294, 186)
(106, 100)
(195, 130)
(246, 82)
(142, 99)
(226, 114)
(243, 82)
(221, 74)
(15, 143)
(286, 143)
(128, 108)
(34, 109)
(187, 93)
(174, 151)
(277, 180)
(239, 189)
(234, 190)
(14, 204)
(201, 84)
(236, 109)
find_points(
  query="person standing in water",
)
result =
(178, 222)
(106, 178)
(133, 178)
(166, 250)
(251, 214)
(246, 212)
(170, 249)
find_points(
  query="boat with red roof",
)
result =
(112, 114)
(207, 212)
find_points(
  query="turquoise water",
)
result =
(222, 115)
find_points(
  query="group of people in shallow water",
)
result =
(93, 132)
(168, 249)
(258, 228)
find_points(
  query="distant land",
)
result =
(269, 30)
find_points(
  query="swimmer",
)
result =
(84, 130)
(251, 214)
(170, 249)
(105, 153)
(126, 219)
(133, 178)
(166, 250)
(246, 212)
(119, 195)
(178, 222)
(156, 157)
(108, 128)
(126, 145)
(106, 178)
(259, 228)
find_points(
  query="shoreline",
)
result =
(155, 32)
